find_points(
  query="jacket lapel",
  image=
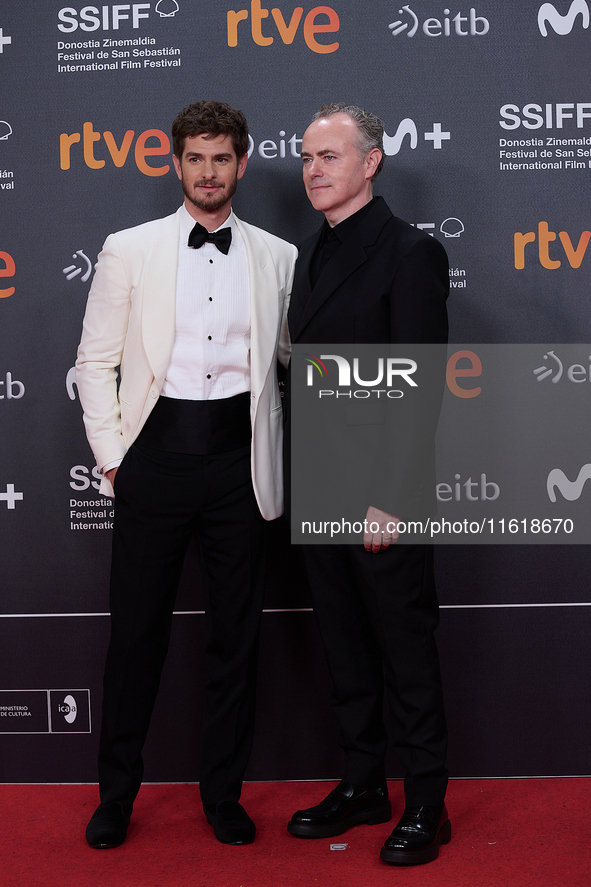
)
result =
(263, 305)
(159, 295)
(301, 291)
(349, 256)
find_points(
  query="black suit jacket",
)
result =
(387, 283)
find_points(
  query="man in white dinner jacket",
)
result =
(191, 309)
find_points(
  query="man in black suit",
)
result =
(367, 277)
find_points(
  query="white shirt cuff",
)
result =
(110, 465)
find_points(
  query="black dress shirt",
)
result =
(331, 238)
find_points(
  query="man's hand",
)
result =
(110, 475)
(386, 533)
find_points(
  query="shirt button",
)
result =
(211, 261)
(210, 299)
(209, 338)
(209, 375)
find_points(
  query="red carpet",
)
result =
(506, 833)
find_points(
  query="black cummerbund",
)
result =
(198, 427)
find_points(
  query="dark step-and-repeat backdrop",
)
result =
(487, 109)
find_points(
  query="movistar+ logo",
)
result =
(562, 24)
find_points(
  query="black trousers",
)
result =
(161, 500)
(377, 614)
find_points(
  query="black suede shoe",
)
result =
(231, 823)
(346, 805)
(417, 837)
(108, 825)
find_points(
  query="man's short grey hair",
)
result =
(370, 128)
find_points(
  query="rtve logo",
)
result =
(562, 24)
(315, 23)
(7, 269)
(574, 254)
(118, 153)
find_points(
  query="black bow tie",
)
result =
(222, 239)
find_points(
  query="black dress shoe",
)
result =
(417, 837)
(108, 825)
(346, 805)
(231, 823)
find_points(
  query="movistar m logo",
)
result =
(406, 127)
(570, 490)
(562, 24)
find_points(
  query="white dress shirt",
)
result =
(211, 353)
(210, 356)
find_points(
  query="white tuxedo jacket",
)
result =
(130, 324)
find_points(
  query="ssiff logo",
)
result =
(562, 24)
(167, 8)
(450, 227)
(111, 18)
